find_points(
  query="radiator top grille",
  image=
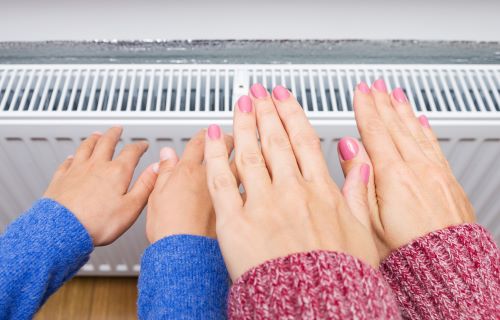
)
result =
(450, 90)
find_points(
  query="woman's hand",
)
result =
(291, 204)
(180, 202)
(416, 192)
(95, 187)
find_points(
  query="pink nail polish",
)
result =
(156, 167)
(167, 153)
(424, 121)
(258, 91)
(245, 104)
(281, 93)
(348, 148)
(214, 131)
(399, 95)
(363, 87)
(365, 173)
(380, 85)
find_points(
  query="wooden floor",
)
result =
(93, 298)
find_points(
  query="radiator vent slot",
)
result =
(440, 89)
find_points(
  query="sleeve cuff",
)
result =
(310, 285)
(450, 273)
(183, 274)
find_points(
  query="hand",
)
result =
(416, 192)
(180, 202)
(95, 188)
(291, 204)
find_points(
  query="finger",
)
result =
(431, 137)
(305, 142)
(401, 136)
(249, 160)
(355, 192)
(105, 148)
(138, 195)
(276, 146)
(352, 154)
(376, 138)
(86, 148)
(129, 158)
(221, 182)
(166, 166)
(195, 148)
(407, 117)
(63, 168)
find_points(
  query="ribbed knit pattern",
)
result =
(312, 285)
(452, 273)
(183, 277)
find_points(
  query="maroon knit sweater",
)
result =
(451, 273)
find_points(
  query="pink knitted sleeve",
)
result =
(452, 273)
(312, 285)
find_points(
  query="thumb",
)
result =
(355, 192)
(138, 196)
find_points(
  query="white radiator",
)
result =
(46, 110)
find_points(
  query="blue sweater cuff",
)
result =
(39, 251)
(183, 276)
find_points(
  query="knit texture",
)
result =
(452, 273)
(38, 252)
(183, 277)
(312, 285)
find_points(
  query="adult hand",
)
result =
(96, 188)
(413, 190)
(291, 203)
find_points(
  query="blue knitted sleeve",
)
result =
(183, 277)
(38, 252)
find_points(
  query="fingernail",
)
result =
(70, 156)
(166, 153)
(214, 132)
(399, 95)
(156, 167)
(424, 121)
(365, 173)
(98, 133)
(281, 93)
(380, 85)
(258, 91)
(348, 148)
(363, 87)
(245, 104)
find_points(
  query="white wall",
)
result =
(32, 20)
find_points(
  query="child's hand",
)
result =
(291, 204)
(180, 202)
(95, 187)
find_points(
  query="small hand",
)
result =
(180, 202)
(413, 190)
(291, 203)
(95, 187)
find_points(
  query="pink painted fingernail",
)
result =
(399, 95)
(281, 93)
(258, 91)
(245, 104)
(363, 87)
(155, 167)
(380, 85)
(348, 148)
(167, 153)
(424, 121)
(214, 131)
(365, 173)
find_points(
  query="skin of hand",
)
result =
(95, 188)
(180, 202)
(412, 190)
(291, 204)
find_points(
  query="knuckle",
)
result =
(374, 127)
(252, 159)
(223, 181)
(279, 142)
(307, 140)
